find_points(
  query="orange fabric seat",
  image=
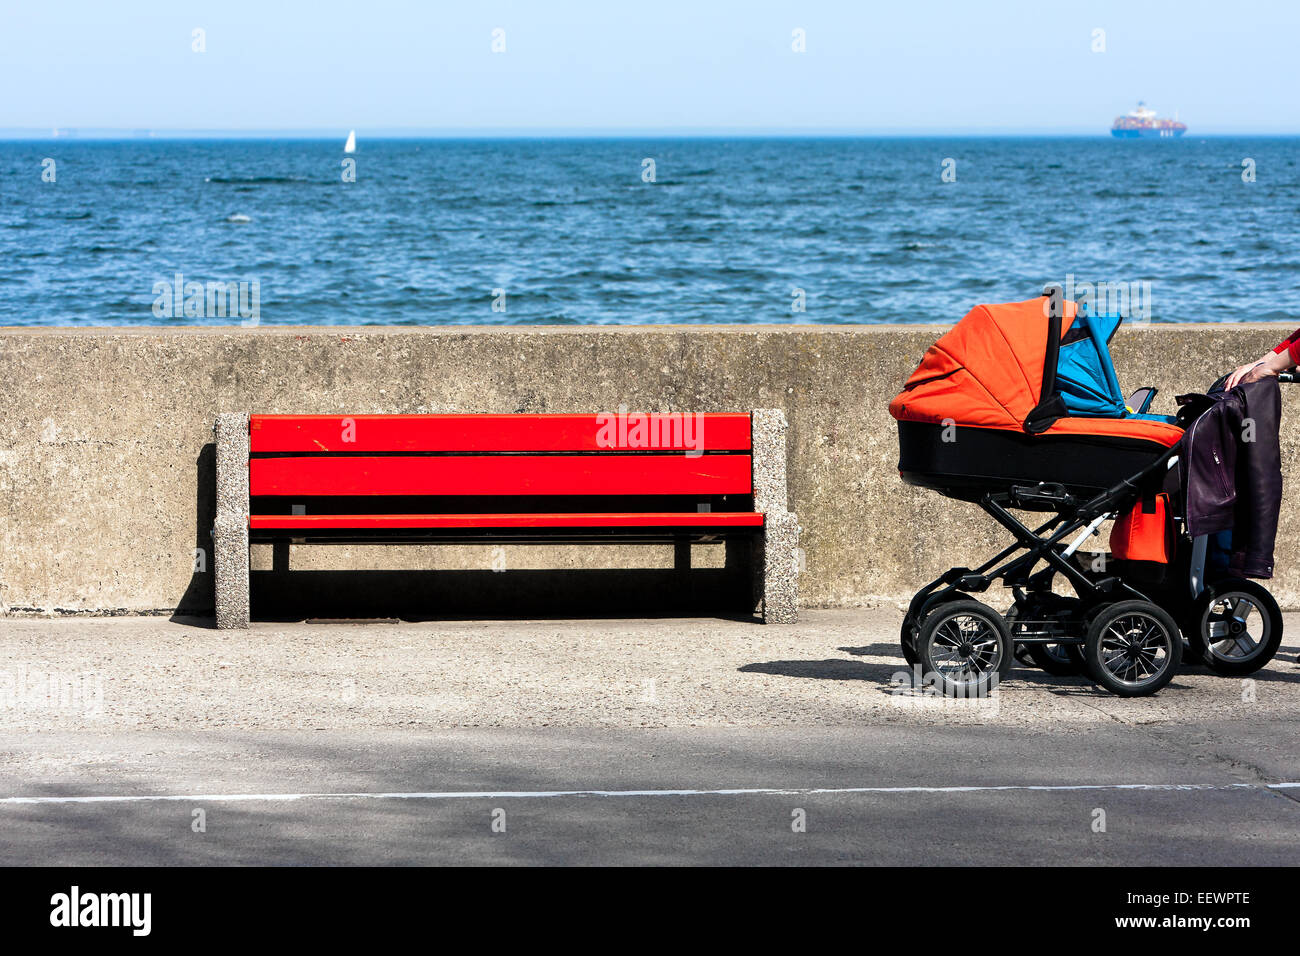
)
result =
(1162, 432)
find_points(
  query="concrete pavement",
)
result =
(834, 668)
(710, 741)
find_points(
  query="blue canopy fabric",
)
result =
(1085, 374)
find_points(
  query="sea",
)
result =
(141, 231)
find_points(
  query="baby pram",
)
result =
(1018, 408)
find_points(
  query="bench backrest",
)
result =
(623, 454)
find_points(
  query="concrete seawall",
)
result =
(106, 457)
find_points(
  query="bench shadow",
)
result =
(197, 604)
(283, 595)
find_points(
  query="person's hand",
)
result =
(1256, 372)
(1267, 367)
(1240, 373)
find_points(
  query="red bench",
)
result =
(406, 478)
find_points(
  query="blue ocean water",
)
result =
(570, 231)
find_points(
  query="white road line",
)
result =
(545, 794)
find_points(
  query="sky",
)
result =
(680, 66)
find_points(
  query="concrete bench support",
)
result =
(230, 531)
(776, 565)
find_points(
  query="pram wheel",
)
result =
(1133, 648)
(966, 646)
(910, 629)
(1235, 626)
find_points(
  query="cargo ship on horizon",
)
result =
(1142, 123)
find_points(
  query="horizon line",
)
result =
(686, 132)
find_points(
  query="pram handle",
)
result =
(1292, 375)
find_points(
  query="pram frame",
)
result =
(1071, 515)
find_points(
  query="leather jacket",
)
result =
(1230, 470)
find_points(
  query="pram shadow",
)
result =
(830, 669)
(895, 675)
(890, 677)
(1271, 673)
(872, 650)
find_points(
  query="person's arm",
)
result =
(1285, 355)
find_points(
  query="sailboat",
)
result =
(351, 145)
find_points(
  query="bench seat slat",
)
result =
(503, 475)
(685, 519)
(493, 433)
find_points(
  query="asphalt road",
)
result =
(1166, 795)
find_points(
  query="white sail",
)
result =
(351, 145)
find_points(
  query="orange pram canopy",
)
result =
(988, 371)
